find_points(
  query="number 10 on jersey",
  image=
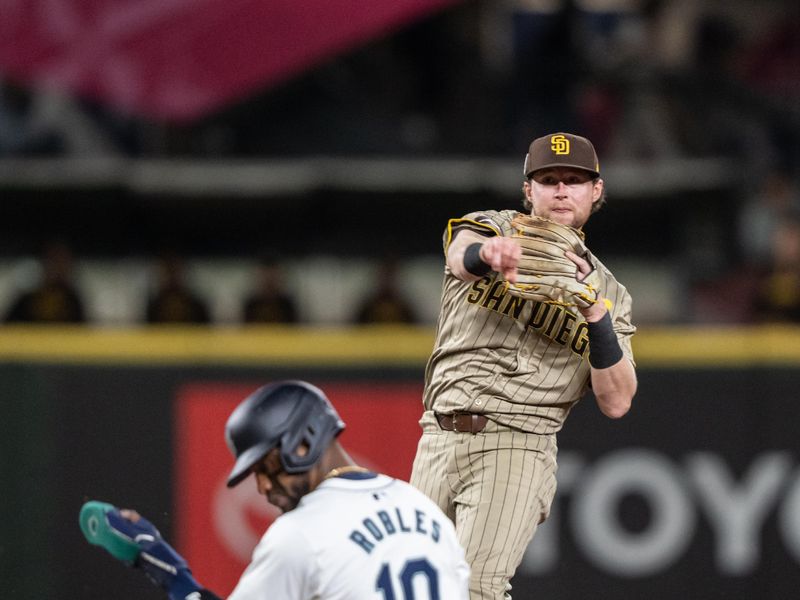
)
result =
(405, 578)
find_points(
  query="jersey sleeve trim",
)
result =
(483, 228)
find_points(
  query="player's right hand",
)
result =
(160, 561)
(502, 254)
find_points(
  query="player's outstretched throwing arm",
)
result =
(546, 261)
(135, 541)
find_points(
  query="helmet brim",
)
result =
(244, 464)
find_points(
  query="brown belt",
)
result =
(462, 422)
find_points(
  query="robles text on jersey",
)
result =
(387, 523)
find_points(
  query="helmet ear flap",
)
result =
(302, 446)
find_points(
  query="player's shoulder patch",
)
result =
(488, 223)
(484, 219)
(484, 223)
(487, 220)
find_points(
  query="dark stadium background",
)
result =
(350, 132)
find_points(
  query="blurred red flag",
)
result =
(178, 60)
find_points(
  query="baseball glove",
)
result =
(544, 273)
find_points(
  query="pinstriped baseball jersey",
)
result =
(522, 363)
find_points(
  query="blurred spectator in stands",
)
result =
(757, 280)
(778, 298)
(173, 300)
(761, 215)
(547, 67)
(772, 62)
(55, 299)
(269, 302)
(722, 115)
(386, 304)
(625, 105)
(771, 68)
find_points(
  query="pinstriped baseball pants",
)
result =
(496, 486)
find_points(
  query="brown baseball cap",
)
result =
(561, 150)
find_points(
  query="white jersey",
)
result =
(373, 538)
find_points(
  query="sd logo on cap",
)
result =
(561, 150)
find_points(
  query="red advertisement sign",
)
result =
(180, 60)
(216, 527)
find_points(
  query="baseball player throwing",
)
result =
(515, 350)
(346, 532)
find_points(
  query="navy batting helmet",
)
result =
(284, 415)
